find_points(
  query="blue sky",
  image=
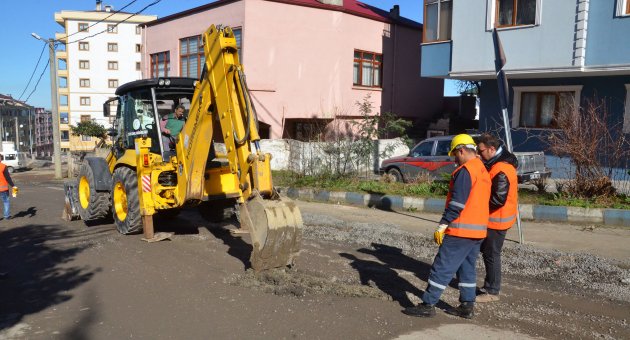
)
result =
(21, 17)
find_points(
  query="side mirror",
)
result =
(106, 110)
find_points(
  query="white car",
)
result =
(14, 160)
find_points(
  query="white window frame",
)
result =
(518, 91)
(491, 10)
(621, 8)
(626, 113)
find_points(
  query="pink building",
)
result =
(308, 62)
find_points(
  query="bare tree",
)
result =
(595, 144)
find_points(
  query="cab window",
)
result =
(422, 149)
(10, 157)
(443, 147)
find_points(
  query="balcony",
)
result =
(60, 37)
(436, 59)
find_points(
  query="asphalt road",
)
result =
(351, 280)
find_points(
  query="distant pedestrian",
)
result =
(5, 184)
(460, 232)
(501, 165)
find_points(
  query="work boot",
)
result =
(422, 310)
(465, 310)
(487, 297)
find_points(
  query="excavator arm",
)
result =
(221, 97)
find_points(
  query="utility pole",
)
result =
(54, 104)
(17, 135)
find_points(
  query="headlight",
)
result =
(161, 82)
(167, 82)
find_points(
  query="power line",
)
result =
(107, 17)
(117, 23)
(35, 69)
(38, 80)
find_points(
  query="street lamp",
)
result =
(54, 109)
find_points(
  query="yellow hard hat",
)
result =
(462, 139)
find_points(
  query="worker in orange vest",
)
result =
(5, 184)
(501, 165)
(460, 232)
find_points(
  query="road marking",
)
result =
(54, 188)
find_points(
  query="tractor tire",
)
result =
(93, 205)
(125, 202)
(217, 211)
(398, 177)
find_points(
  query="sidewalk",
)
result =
(529, 212)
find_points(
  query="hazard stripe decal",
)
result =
(146, 183)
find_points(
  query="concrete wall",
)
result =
(299, 60)
(312, 157)
(608, 40)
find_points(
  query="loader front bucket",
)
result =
(275, 227)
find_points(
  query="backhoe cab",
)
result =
(147, 172)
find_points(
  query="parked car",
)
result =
(14, 160)
(430, 156)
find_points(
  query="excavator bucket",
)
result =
(276, 230)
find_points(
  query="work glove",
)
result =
(438, 235)
(14, 191)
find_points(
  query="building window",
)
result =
(138, 29)
(623, 8)
(65, 135)
(63, 117)
(112, 47)
(85, 101)
(191, 57)
(538, 106)
(238, 35)
(160, 64)
(62, 65)
(138, 66)
(112, 83)
(84, 64)
(437, 20)
(84, 82)
(84, 46)
(86, 118)
(112, 65)
(84, 27)
(515, 12)
(368, 68)
(112, 28)
(138, 48)
(63, 100)
(63, 82)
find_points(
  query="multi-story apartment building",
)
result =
(308, 62)
(16, 123)
(43, 135)
(557, 52)
(98, 51)
(560, 54)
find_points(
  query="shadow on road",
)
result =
(30, 212)
(238, 248)
(38, 272)
(384, 276)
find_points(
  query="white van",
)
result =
(14, 160)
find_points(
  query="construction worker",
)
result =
(460, 232)
(5, 184)
(501, 165)
(171, 125)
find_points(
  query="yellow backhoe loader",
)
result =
(147, 172)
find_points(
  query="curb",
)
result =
(529, 212)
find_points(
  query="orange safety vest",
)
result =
(473, 219)
(4, 185)
(504, 217)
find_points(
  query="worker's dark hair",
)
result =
(180, 107)
(489, 140)
(1, 157)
